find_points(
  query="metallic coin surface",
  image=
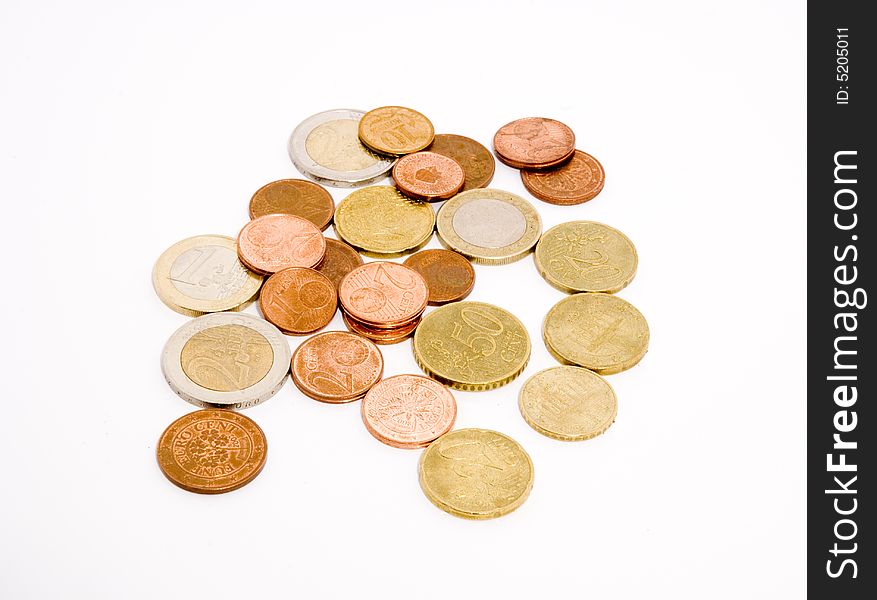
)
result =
(489, 226)
(476, 473)
(381, 221)
(275, 242)
(600, 332)
(326, 148)
(336, 366)
(471, 346)
(428, 176)
(534, 143)
(294, 197)
(226, 360)
(298, 300)
(585, 256)
(212, 451)
(202, 274)
(380, 336)
(449, 275)
(568, 403)
(477, 161)
(340, 260)
(383, 294)
(408, 411)
(576, 181)
(395, 130)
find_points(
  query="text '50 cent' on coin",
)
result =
(203, 274)
(336, 366)
(408, 411)
(578, 180)
(471, 346)
(477, 161)
(600, 332)
(568, 403)
(294, 197)
(428, 176)
(476, 473)
(534, 143)
(226, 360)
(585, 256)
(395, 130)
(489, 226)
(298, 300)
(326, 148)
(212, 451)
(275, 242)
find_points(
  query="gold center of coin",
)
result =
(208, 273)
(335, 145)
(489, 223)
(227, 358)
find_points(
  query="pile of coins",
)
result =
(224, 360)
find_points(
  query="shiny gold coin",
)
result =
(584, 256)
(568, 403)
(489, 226)
(380, 221)
(395, 130)
(600, 332)
(224, 372)
(471, 346)
(476, 473)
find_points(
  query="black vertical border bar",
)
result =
(840, 255)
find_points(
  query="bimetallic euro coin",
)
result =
(568, 403)
(584, 256)
(489, 226)
(600, 332)
(226, 360)
(326, 148)
(381, 222)
(203, 274)
(476, 473)
(471, 346)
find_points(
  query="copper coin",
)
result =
(428, 176)
(212, 451)
(449, 275)
(477, 161)
(384, 294)
(336, 366)
(574, 182)
(340, 260)
(275, 242)
(408, 411)
(297, 197)
(383, 337)
(298, 300)
(534, 143)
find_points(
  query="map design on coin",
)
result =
(208, 273)
(335, 145)
(227, 358)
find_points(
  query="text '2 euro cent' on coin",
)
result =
(336, 367)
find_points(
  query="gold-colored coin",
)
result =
(380, 221)
(489, 226)
(568, 403)
(221, 372)
(395, 130)
(600, 332)
(471, 346)
(476, 473)
(202, 274)
(584, 256)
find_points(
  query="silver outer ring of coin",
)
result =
(313, 170)
(190, 391)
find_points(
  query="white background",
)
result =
(125, 128)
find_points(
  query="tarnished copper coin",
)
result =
(298, 300)
(448, 274)
(275, 242)
(336, 366)
(408, 411)
(383, 337)
(212, 451)
(395, 130)
(340, 260)
(477, 161)
(574, 182)
(534, 143)
(294, 197)
(383, 294)
(428, 176)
